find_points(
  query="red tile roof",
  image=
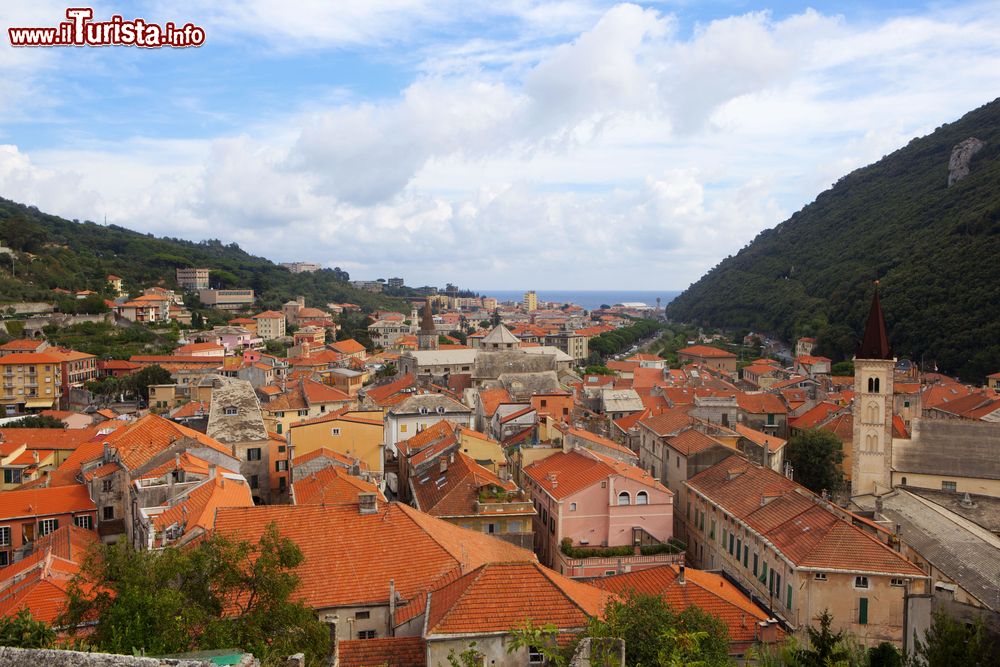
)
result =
(141, 440)
(356, 567)
(708, 591)
(814, 416)
(383, 652)
(500, 596)
(668, 422)
(492, 398)
(706, 352)
(599, 440)
(45, 501)
(380, 394)
(793, 519)
(761, 404)
(691, 442)
(341, 459)
(331, 486)
(349, 346)
(454, 492)
(579, 469)
(197, 507)
(773, 442)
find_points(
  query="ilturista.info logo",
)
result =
(80, 29)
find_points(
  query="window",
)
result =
(896, 581)
(279, 428)
(85, 521)
(552, 524)
(572, 507)
(763, 572)
(423, 411)
(906, 404)
(253, 454)
(873, 385)
(107, 485)
(770, 419)
(490, 528)
(863, 611)
(46, 526)
(4, 558)
(820, 576)
(535, 656)
(678, 462)
(281, 465)
(334, 431)
(642, 498)
(4, 536)
(402, 428)
(362, 615)
(281, 449)
(11, 475)
(366, 634)
(746, 555)
(949, 486)
(543, 402)
(711, 533)
(229, 410)
(788, 597)
(903, 481)
(254, 481)
(624, 498)
(604, 485)
(861, 582)
(108, 513)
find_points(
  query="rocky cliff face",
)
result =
(961, 155)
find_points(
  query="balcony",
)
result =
(585, 562)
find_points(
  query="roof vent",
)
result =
(733, 473)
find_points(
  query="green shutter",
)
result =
(788, 603)
(746, 554)
(755, 565)
(863, 611)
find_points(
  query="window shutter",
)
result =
(863, 611)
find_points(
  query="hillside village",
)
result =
(474, 464)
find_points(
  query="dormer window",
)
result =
(230, 410)
(423, 411)
(440, 409)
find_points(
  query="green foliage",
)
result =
(613, 342)
(135, 385)
(109, 341)
(842, 368)
(22, 631)
(825, 647)
(816, 456)
(934, 249)
(218, 594)
(597, 370)
(541, 638)
(653, 632)
(276, 348)
(884, 655)
(37, 421)
(470, 657)
(387, 371)
(77, 256)
(950, 642)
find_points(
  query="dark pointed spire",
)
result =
(875, 343)
(427, 319)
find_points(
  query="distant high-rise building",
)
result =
(192, 279)
(396, 283)
(530, 301)
(302, 267)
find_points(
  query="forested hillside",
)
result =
(54, 252)
(935, 249)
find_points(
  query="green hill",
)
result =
(54, 252)
(935, 248)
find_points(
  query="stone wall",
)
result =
(20, 657)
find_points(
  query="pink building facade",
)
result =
(597, 503)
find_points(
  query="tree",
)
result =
(38, 421)
(653, 631)
(884, 655)
(138, 383)
(816, 456)
(949, 642)
(22, 631)
(842, 368)
(826, 647)
(218, 594)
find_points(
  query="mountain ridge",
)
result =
(932, 247)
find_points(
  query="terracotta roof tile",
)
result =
(383, 652)
(356, 567)
(143, 439)
(668, 422)
(454, 492)
(761, 403)
(706, 351)
(45, 501)
(331, 486)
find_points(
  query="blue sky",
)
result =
(530, 145)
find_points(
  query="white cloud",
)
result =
(626, 154)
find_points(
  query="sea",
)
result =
(589, 299)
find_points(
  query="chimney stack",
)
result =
(680, 575)
(211, 471)
(367, 503)
(443, 464)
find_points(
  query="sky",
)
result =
(495, 145)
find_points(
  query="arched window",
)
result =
(873, 385)
(903, 481)
(642, 498)
(872, 413)
(624, 498)
(871, 442)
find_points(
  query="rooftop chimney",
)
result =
(443, 464)
(211, 471)
(367, 503)
(680, 575)
(34, 457)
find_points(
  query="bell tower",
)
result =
(427, 336)
(871, 466)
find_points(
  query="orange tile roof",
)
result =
(708, 591)
(356, 567)
(793, 520)
(492, 398)
(579, 469)
(45, 501)
(761, 403)
(197, 507)
(383, 652)
(443, 430)
(668, 422)
(22, 344)
(191, 409)
(348, 346)
(379, 395)
(143, 439)
(773, 442)
(342, 459)
(815, 415)
(49, 438)
(597, 439)
(497, 597)
(454, 492)
(622, 366)
(331, 486)
(185, 350)
(43, 591)
(269, 315)
(30, 358)
(691, 442)
(706, 351)
(317, 392)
